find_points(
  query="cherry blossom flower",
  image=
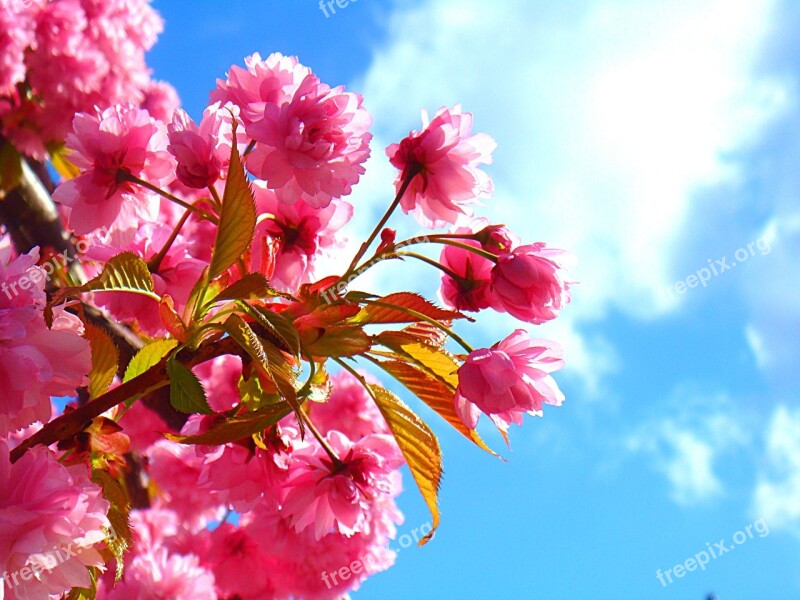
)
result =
(509, 379)
(36, 362)
(240, 569)
(203, 152)
(157, 573)
(293, 236)
(312, 146)
(441, 161)
(339, 497)
(74, 55)
(52, 517)
(107, 146)
(273, 80)
(528, 283)
(349, 409)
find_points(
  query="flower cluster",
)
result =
(244, 408)
(62, 57)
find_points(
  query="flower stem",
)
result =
(433, 263)
(395, 203)
(125, 176)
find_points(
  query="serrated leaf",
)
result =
(419, 447)
(277, 325)
(148, 357)
(252, 286)
(336, 341)
(125, 272)
(186, 393)
(120, 537)
(105, 359)
(435, 394)
(239, 427)
(401, 308)
(437, 362)
(237, 220)
(267, 357)
(421, 333)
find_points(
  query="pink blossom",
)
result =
(314, 144)
(471, 290)
(203, 152)
(271, 81)
(51, 518)
(294, 236)
(339, 497)
(528, 283)
(509, 379)
(121, 140)
(441, 161)
(175, 469)
(78, 54)
(175, 274)
(143, 426)
(158, 573)
(240, 569)
(16, 34)
(160, 100)
(304, 563)
(350, 409)
(242, 476)
(36, 362)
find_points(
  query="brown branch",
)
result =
(32, 220)
(75, 421)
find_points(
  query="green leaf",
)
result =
(148, 357)
(419, 447)
(400, 308)
(239, 427)
(186, 393)
(435, 394)
(120, 537)
(237, 220)
(105, 358)
(277, 325)
(10, 167)
(125, 272)
(338, 341)
(437, 362)
(252, 286)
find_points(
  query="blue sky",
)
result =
(652, 139)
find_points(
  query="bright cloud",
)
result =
(686, 447)
(777, 496)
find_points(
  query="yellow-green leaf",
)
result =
(125, 272)
(277, 325)
(419, 447)
(435, 394)
(105, 358)
(186, 393)
(120, 536)
(148, 357)
(237, 220)
(250, 287)
(239, 427)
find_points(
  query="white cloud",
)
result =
(686, 447)
(608, 115)
(777, 495)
